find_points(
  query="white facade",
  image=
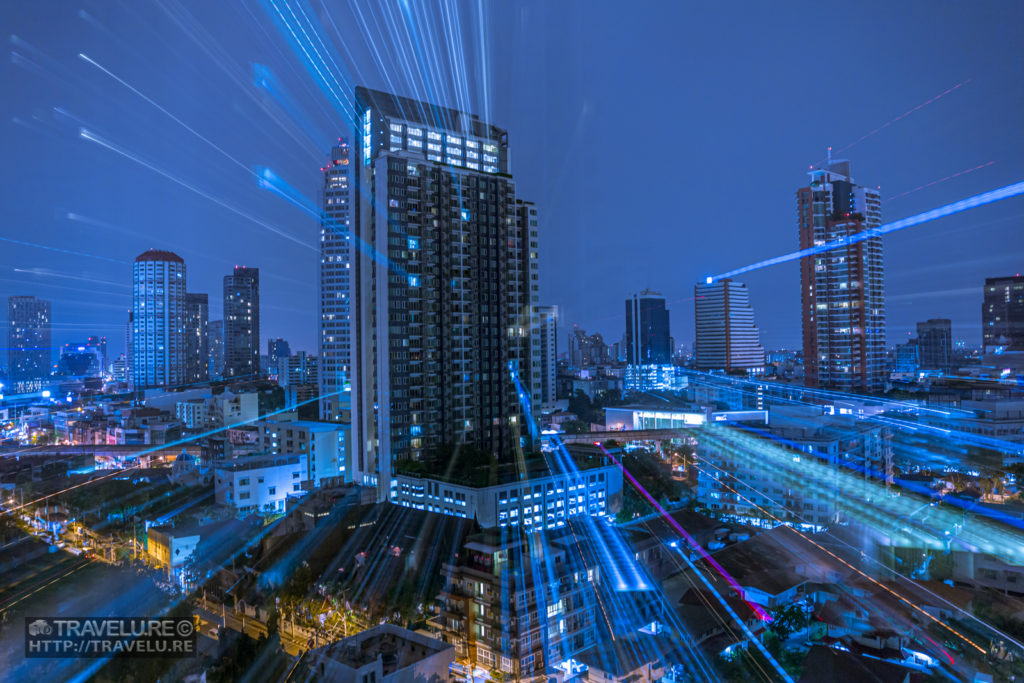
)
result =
(259, 483)
(538, 503)
(158, 320)
(324, 444)
(411, 658)
(727, 338)
(334, 351)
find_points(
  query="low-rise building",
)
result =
(324, 443)
(171, 549)
(515, 612)
(259, 483)
(382, 654)
(539, 502)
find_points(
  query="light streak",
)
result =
(172, 444)
(92, 137)
(757, 609)
(903, 115)
(940, 180)
(62, 251)
(941, 212)
(850, 566)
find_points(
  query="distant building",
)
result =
(197, 340)
(741, 479)
(215, 329)
(80, 360)
(1002, 313)
(277, 349)
(301, 368)
(908, 357)
(842, 290)
(935, 342)
(28, 344)
(242, 323)
(654, 378)
(586, 350)
(383, 654)
(648, 337)
(543, 365)
(259, 483)
(158, 320)
(727, 337)
(335, 281)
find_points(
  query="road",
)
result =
(212, 615)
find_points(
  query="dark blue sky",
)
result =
(662, 141)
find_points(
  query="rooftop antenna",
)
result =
(830, 157)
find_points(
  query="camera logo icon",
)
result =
(40, 627)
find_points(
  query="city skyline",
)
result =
(900, 153)
(475, 342)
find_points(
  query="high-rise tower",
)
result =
(197, 340)
(842, 289)
(242, 323)
(1002, 313)
(727, 337)
(544, 349)
(648, 338)
(335, 284)
(158, 320)
(440, 296)
(28, 343)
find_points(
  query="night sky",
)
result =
(663, 142)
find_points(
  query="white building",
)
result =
(544, 350)
(259, 483)
(727, 338)
(171, 549)
(158, 320)
(535, 503)
(194, 413)
(324, 443)
(383, 654)
(334, 279)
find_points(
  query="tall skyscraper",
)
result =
(727, 337)
(197, 340)
(158, 320)
(129, 350)
(215, 332)
(544, 350)
(335, 285)
(647, 330)
(242, 323)
(440, 294)
(842, 290)
(1002, 313)
(28, 344)
(935, 344)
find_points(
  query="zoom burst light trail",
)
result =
(947, 210)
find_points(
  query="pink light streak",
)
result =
(758, 610)
(941, 180)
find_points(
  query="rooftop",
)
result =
(159, 255)
(397, 648)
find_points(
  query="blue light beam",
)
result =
(942, 211)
